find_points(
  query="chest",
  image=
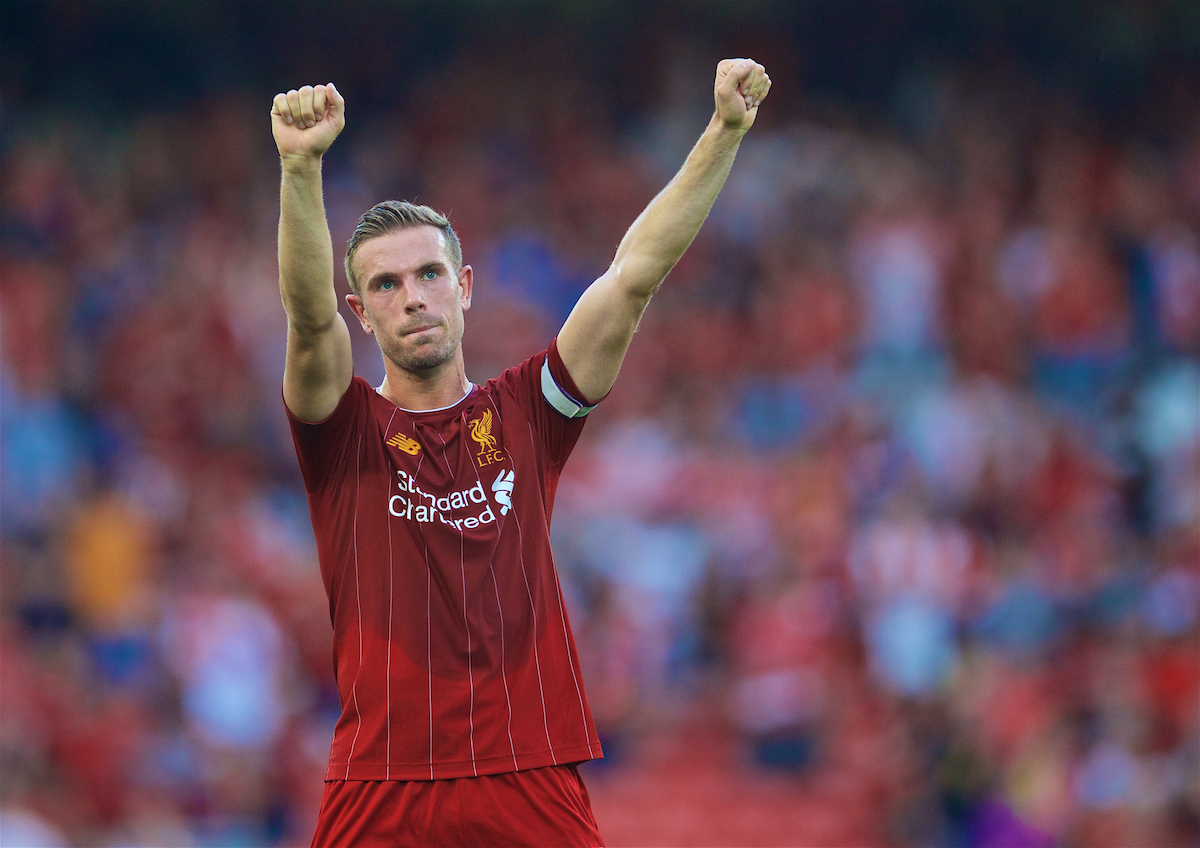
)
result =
(464, 471)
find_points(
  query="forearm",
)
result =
(598, 331)
(305, 248)
(661, 234)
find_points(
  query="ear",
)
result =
(360, 312)
(466, 279)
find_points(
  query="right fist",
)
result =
(306, 121)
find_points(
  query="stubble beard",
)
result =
(424, 355)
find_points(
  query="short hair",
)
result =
(392, 215)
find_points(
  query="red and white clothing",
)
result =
(452, 648)
(531, 809)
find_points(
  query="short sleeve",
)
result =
(556, 408)
(324, 447)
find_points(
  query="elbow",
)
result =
(639, 278)
(309, 323)
(309, 315)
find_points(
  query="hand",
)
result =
(306, 121)
(741, 86)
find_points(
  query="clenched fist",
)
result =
(740, 87)
(305, 121)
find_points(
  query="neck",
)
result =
(434, 388)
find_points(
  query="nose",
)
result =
(414, 301)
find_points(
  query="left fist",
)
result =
(741, 86)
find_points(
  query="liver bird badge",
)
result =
(481, 432)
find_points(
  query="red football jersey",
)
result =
(452, 649)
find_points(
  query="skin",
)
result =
(413, 300)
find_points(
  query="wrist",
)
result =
(717, 127)
(300, 164)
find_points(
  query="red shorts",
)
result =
(540, 807)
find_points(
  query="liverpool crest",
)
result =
(481, 432)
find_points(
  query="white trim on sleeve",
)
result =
(560, 400)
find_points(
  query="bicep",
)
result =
(318, 370)
(597, 333)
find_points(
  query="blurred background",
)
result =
(888, 535)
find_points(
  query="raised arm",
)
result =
(318, 368)
(599, 329)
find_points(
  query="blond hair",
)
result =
(392, 215)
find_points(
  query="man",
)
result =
(463, 711)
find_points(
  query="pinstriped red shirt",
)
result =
(452, 648)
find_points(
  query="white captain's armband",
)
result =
(559, 399)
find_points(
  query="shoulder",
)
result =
(322, 446)
(543, 379)
(518, 381)
(357, 397)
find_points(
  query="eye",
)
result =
(386, 285)
(429, 275)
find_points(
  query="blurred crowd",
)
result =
(901, 477)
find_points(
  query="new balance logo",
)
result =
(409, 446)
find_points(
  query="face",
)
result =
(412, 298)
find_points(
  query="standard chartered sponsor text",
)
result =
(418, 505)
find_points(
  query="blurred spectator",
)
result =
(901, 486)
